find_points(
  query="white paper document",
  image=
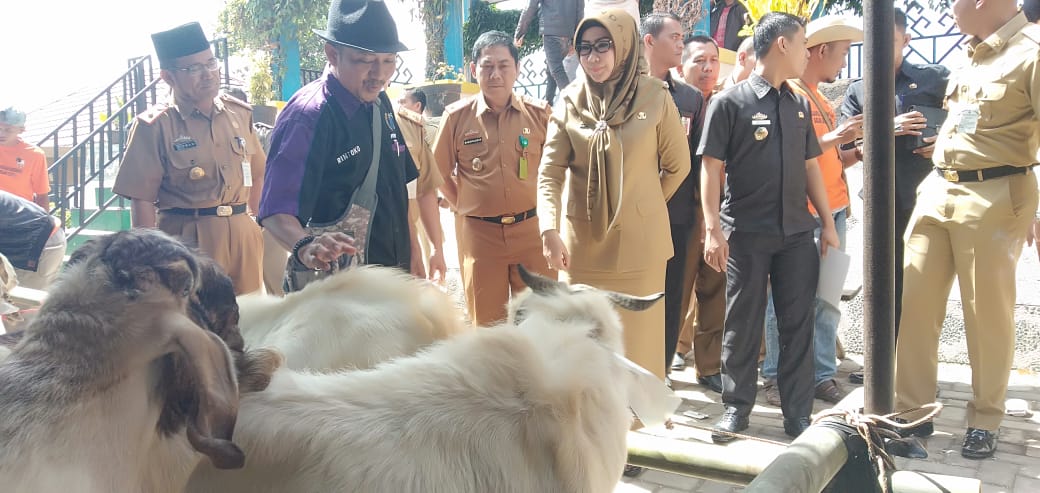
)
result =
(649, 398)
(833, 269)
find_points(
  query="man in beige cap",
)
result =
(829, 39)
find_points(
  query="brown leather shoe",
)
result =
(829, 390)
(772, 392)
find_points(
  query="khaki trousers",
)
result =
(974, 231)
(643, 331)
(234, 242)
(488, 256)
(706, 313)
(424, 239)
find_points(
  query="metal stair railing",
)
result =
(89, 144)
(89, 141)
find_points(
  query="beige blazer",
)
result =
(656, 160)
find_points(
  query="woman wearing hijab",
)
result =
(620, 138)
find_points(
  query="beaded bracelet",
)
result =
(306, 240)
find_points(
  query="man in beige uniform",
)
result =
(424, 206)
(488, 150)
(972, 216)
(190, 163)
(705, 287)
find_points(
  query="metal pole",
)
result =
(736, 464)
(879, 215)
(808, 464)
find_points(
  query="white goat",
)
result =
(539, 406)
(357, 318)
(112, 387)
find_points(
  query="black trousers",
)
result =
(792, 265)
(902, 221)
(674, 282)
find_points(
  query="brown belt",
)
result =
(957, 176)
(219, 211)
(508, 219)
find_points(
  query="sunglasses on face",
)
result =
(601, 46)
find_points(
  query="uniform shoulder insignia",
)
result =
(457, 105)
(229, 99)
(1032, 31)
(152, 114)
(409, 115)
(537, 103)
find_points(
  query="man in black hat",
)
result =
(323, 149)
(191, 162)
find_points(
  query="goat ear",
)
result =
(633, 303)
(538, 283)
(256, 367)
(211, 426)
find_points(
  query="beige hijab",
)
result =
(603, 107)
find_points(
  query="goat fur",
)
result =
(539, 406)
(354, 319)
(82, 392)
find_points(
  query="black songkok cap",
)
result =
(180, 41)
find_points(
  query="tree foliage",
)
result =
(690, 12)
(260, 24)
(484, 17)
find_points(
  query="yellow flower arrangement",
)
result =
(757, 8)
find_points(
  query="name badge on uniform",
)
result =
(247, 173)
(183, 143)
(968, 119)
(472, 140)
(687, 123)
(760, 120)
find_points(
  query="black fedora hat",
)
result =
(362, 24)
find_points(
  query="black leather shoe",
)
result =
(856, 377)
(632, 471)
(795, 426)
(979, 444)
(732, 422)
(713, 382)
(923, 430)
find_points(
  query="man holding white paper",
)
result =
(829, 38)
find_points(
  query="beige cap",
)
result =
(834, 28)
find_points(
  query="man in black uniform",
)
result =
(763, 133)
(663, 49)
(916, 86)
(322, 148)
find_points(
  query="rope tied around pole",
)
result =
(874, 429)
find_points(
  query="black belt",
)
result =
(508, 219)
(957, 176)
(219, 211)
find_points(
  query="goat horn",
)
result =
(633, 303)
(538, 283)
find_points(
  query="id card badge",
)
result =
(968, 119)
(247, 173)
(687, 124)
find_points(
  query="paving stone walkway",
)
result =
(1014, 469)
